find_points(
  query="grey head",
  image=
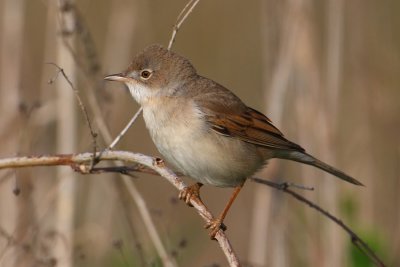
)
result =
(155, 71)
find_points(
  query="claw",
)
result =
(189, 192)
(215, 225)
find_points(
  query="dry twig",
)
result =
(181, 18)
(123, 132)
(80, 102)
(355, 239)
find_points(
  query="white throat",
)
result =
(140, 92)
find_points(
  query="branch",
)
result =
(355, 239)
(80, 102)
(123, 132)
(181, 18)
(82, 163)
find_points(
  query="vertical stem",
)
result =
(166, 259)
(66, 136)
(11, 40)
(334, 54)
(334, 245)
(267, 226)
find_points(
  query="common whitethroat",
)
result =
(203, 129)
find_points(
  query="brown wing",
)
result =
(253, 127)
(229, 116)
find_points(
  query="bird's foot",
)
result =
(215, 225)
(187, 193)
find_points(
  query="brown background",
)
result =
(326, 72)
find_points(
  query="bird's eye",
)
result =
(145, 74)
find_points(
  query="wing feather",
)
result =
(229, 116)
(252, 128)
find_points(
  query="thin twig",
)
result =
(145, 214)
(123, 132)
(355, 239)
(184, 10)
(80, 102)
(181, 18)
(126, 170)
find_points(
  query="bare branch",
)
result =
(181, 18)
(80, 102)
(123, 132)
(355, 239)
(81, 162)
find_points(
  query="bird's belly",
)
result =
(208, 157)
(187, 142)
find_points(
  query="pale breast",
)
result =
(184, 139)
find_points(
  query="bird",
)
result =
(203, 129)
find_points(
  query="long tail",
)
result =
(310, 160)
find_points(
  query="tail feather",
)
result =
(310, 160)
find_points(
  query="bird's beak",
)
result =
(119, 77)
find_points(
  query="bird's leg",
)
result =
(216, 224)
(187, 193)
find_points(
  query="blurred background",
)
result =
(325, 72)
